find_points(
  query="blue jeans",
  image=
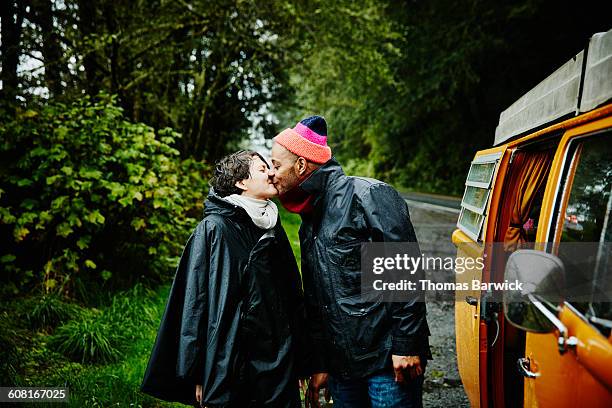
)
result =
(377, 391)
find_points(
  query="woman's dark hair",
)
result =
(231, 169)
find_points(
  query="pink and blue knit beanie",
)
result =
(308, 139)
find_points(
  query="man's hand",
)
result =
(411, 364)
(198, 392)
(316, 382)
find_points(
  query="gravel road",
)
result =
(442, 386)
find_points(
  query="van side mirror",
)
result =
(542, 277)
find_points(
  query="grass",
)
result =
(72, 355)
(89, 340)
(118, 384)
(48, 311)
(291, 222)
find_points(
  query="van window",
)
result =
(585, 217)
(476, 195)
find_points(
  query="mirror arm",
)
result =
(563, 342)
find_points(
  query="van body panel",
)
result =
(562, 382)
(471, 333)
(467, 327)
(582, 375)
(593, 351)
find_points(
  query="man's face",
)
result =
(283, 172)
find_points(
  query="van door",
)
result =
(579, 202)
(469, 238)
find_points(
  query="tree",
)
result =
(42, 13)
(204, 68)
(412, 89)
(11, 18)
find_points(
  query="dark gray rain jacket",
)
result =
(232, 318)
(352, 338)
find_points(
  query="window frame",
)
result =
(466, 207)
(561, 196)
(566, 181)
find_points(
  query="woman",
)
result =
(228, 335)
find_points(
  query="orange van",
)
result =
(543, 190)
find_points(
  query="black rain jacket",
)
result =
(351, 338)
(232, 318)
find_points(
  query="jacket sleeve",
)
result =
(389, 221)
(198, 325)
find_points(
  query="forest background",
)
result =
(112, 113)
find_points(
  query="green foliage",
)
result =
(412, 89)
(206, 68)
(132, 311)
(100, 336)
(135, 314)
(10, 337)
(89, 339)
(48, 311)
(90, 198)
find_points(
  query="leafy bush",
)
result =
(87, 197)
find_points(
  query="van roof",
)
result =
(580, 85)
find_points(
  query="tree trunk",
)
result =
(11, 18)
(51, 50)
(87, 24)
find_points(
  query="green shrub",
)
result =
(99, 336)
(88, 199)
(48, 311)
(89, 339)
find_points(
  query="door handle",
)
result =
(523, 368)
(471, 300)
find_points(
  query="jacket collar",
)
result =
(321, 179)
(214, 204)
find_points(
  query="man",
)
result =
(369, 354)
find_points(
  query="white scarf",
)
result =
(263, 212)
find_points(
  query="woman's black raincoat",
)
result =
(232, 319)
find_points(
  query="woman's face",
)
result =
(259, 185)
